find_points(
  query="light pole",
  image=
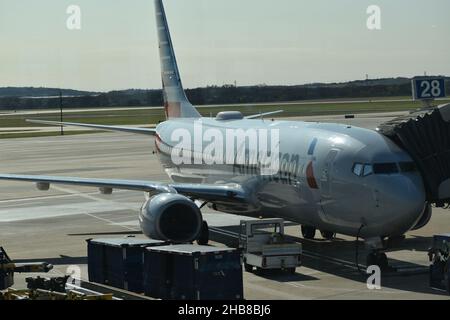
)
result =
(61, 111)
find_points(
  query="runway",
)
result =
(281, 104)
(53, 226)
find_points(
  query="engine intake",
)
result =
(171, 217)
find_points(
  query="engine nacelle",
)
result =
(171, 217)
(425, 218)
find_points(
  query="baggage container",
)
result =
(118, 262)
(191, 272)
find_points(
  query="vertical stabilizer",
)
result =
(175, 101)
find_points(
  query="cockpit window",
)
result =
(385, 168)
(407, 166)
(362, 170)
(368, 170)
(358, 169)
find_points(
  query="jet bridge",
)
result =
(425, 135)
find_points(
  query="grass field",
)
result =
(148, 116)
(42, 134)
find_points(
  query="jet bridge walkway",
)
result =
(425, 135)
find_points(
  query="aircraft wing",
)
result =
(145, 131)
(232, 193)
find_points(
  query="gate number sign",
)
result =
(428, 88)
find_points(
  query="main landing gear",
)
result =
(203, 238)
(328, 235)
(309, 233)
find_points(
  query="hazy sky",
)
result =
(220, 41)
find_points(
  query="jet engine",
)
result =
(424, 219)
(171, 217)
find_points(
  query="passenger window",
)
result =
(358, 169)
(385, 168)
(368, 170)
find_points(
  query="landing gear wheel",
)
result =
(308, 232)
(393, 242)
(327, 235)
(378, 259)
(291, 270)
(248, 267)
(261, 271)
(203, 239)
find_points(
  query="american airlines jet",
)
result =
(329, 177)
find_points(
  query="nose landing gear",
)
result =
(309, 233)
(377, 258)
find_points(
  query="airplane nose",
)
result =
(403, 201)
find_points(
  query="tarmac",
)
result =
(52, 226)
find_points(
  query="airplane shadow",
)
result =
(281, 276)
(338, 257)
(62, 260)
(120, 233)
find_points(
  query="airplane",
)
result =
(331, 177)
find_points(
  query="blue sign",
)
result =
(428, 88)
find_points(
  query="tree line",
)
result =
(227, 94)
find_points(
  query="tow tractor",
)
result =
(40, 288)
(8, 268)
(264, 246)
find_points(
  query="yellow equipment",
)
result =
(8, 267)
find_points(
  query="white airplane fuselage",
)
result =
(316, 184)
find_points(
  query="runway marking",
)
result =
(271, 292)
(129, 222)
(55, 211)
(111, 222)
(49, 197)
(303, 286)
(86, 196)
(356, 291)
(98, 205)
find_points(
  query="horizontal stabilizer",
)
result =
(262, 115)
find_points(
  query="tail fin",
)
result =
(175, 101)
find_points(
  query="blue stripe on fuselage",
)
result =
(312, 147)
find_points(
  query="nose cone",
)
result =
(402, 201)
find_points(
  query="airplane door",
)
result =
(327, 174)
